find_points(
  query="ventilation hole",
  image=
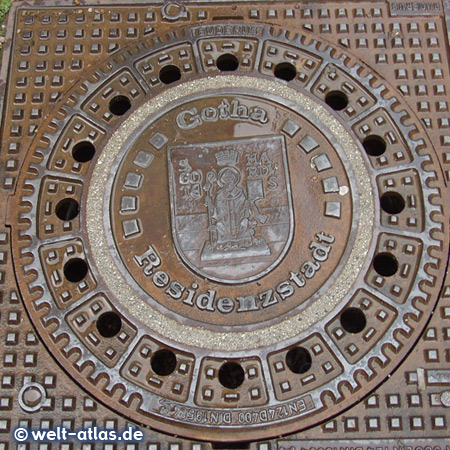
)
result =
(67, 209)
(119, 105)
(353, 320)
(230, 445)
(392, 203)
(83, 151)
(227, 63)
(75, 270)
(285, 71)
(385, 264)
(169, 74)
(336, 100)
(109, 324)
(231, 375)
(374, 145)
(164, 362)
(298, 359)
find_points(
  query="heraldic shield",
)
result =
(231, 206)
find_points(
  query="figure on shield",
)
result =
(231, 211)
(233, 216)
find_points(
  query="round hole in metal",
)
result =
(75, 270)
(109, 324)
(169, 74)
(353, 320)
(374, 145)
(285, 71)
(83, 151)
(337, 100)
(231, 375)
(67, 209)
(227, 63)
(164, 362)
(392, 203)
(299, 360)
(385, 264)
(119, 105)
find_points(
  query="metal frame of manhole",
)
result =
(227, 222)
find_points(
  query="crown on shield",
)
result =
(227, 157)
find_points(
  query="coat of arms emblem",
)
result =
(231, 206)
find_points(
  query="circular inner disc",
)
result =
(236, 232)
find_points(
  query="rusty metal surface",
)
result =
(227, 224)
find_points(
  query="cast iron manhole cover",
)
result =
(229, 222)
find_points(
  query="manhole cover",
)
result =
(230, 223)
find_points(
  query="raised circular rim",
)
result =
(102, 249)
